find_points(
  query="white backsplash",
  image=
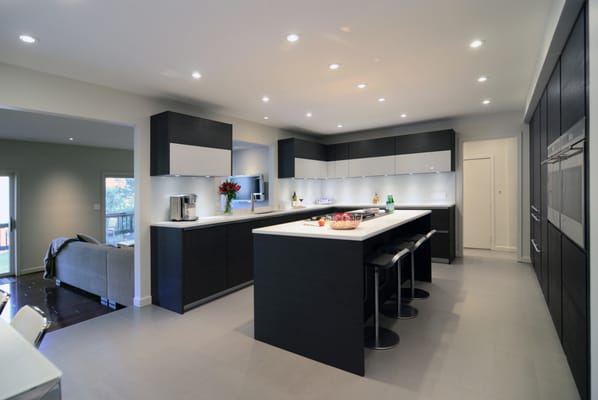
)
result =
(406, 189)
(206, 190)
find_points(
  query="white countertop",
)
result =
(246, 215)
(365, 230)
(25, 369)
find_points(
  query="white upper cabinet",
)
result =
(372, 166)
(338, 169)
(190, 146)
(310, 169)
(417, 163)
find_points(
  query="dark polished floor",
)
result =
(64, 305)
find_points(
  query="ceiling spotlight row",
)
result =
(476, 44)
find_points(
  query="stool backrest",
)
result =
(400, 255)
(4, 297)
(430, 234)
(31, 323)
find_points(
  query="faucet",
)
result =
(253, 201)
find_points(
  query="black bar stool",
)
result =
(376, 337)
(397, 309)
(413, 243)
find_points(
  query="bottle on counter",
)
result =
(294, 200)
(376, 199)
(390, 204)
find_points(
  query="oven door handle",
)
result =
(535, 217)
(534, 208)
(536, 248)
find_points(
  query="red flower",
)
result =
(229, 189)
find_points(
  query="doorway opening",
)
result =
(119, 210)
(490, 190)
(7, 225)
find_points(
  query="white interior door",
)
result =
(477, 203)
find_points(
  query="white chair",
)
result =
(4, 297)
(31, 322)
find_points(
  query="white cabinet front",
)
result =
(372, 166)
(189, 160)
(416, 163)
(310, 169)
(338, 169)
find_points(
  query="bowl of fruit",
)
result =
(345, 221)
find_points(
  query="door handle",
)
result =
(536, 248)
(535, 217)
(534, 209)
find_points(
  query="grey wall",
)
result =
(57, 187)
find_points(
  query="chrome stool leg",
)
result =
(378, 338)
(397, 309)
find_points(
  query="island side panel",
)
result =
(308, 298)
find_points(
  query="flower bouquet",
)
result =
(229, 189)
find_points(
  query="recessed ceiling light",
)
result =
(482, 78)
(403, 115)
(71, 139)
(381, 100)
(265, 99)
(308, 115)
(27, 39)
(339, 126)
(361, 86)
(266, 117)
(476, 43)
(345, 29)
(486, 102)
(334, 66)
(292, 37)
(196, 75)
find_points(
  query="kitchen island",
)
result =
(312, 293)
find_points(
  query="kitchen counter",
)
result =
(365, 230)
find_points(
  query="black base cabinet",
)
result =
(555, 299)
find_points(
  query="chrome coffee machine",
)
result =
(182, 207)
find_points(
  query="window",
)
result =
(120, 209)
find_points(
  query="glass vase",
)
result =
(227, 206)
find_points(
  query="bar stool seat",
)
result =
(415, 242)
(376, 337)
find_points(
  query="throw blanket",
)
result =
(50, 258)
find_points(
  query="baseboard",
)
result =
(30, 270)
(526, 259)
(142, 302)
(506, 248)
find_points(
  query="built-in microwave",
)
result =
(566, 180)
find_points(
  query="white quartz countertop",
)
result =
(365, 230)
(220, 219)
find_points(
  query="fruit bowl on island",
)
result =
(344, 221)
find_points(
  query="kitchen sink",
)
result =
(264, 212)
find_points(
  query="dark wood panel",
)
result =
(573, 74)
(426, 141)
(167, 268)
(553, 92)
(338, 151)
(286, 158)
(311, 150)
(440, 246)
(159, 145)
(556, 281)
(574, 271)
(196, 131)
(372, 148)
(576, 344)
(204, 254)
(544, 193)
(441, 219)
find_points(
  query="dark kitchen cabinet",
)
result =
(186, 145)
(543, 236)
(291, 149)
(555, 302)
(372, 148)
(573, 76)
(553, 102)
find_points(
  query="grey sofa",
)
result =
(98, 269)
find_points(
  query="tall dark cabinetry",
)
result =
(560, 264)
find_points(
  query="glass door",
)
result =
(119, 206)
(7, 225)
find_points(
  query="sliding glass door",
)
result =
(119, 206)
(7, 225)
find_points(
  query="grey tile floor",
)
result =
(485, 334)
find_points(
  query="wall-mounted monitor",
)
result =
(249, 184)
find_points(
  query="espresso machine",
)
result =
(182, 207)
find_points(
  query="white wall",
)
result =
(503, 153)
(57, 187)
(593, 168)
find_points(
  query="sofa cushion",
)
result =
(83, 265)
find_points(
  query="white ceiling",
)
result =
(412, 52)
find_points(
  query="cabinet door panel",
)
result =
(575, 275)
(425, 142)
(312, 169)
(426, 162)
(575, 344)
(553, 92)
(440, 219)
(555, 274)
(199, 161)
(372, 148)
(372, 166)
(440, 245)
(573, 84)
(204, 255)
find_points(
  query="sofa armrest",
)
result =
(120, 265)
(83, 265)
